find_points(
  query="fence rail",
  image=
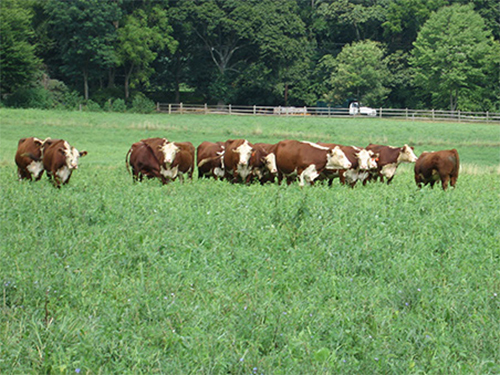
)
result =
(406, 114)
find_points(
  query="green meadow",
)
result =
(107, 276)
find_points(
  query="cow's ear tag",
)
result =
(253, 153)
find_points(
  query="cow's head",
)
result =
(336, 159)
(365, 159)
(270, 163)
(72, 155)
(245, 152)
(169, 150)
(406, 155)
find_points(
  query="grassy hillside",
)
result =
(107, 276)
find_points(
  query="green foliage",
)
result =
(137, 39)
(359, 71)
(108, 276)
(91, 106)
(453, 59)
(142, 104)
(18, 63)
(30, 97)
(84, 32)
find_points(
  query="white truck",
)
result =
(356, 109)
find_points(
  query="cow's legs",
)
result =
(444, 181)
(453, 180)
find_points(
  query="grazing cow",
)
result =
(210, 159)
(362, 161)
(388, 160)
(178, 159)
(263, 162)
(59, 160)
(439, 165)
(29, 159)
(307, 160)
(144, 161)
(237, 160)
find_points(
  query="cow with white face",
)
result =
(237, 160)
(361, 160)
(178, 159)
(307, 160)
(60, 159)
(263, 162)
(389, 159)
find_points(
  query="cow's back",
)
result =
(53, 158)
(28, 158)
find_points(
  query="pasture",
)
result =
(107, 276)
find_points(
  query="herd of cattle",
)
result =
(242, 161)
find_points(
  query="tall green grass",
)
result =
(107, 276)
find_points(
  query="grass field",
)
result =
(107, 276)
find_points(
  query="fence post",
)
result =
(169, 108)
(206, 108)
(157, 106)
(180, 107)
(432, 114)
(80, 107)
(407, 113)
(305, 110)
(459, 116)
(380, 112)
(254, 109)
(487, 116)
(230, 111)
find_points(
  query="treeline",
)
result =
(118, 54)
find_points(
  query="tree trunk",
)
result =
(111, 78)
(127, 80)
(286, 94)
(85, 84)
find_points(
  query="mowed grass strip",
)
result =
(105, 275)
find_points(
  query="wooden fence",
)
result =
(406, 114)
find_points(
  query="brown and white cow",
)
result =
(209, 159)
(178, 160)
(29, 158)
(362, 161)
(60, 159)
(144, 161)
(307, 160)
(263, 162)
(388, 160)
(440, 165)
(237, 160)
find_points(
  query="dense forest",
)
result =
(114, 54)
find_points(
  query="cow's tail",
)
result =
(127, 165)
(209, 160)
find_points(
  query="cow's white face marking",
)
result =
(365, 159)
(389, 170)
(169, 151)
(270, 161)
(35, 168)
(336, 159)
(63, 173)
(308, 175)
(407, 155)
(245, 152)
(72, 155)
(315, 145)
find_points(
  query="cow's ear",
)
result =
(83, 153)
